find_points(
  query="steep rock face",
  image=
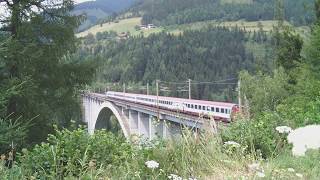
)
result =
(100, 9)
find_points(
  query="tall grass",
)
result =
(77, 155)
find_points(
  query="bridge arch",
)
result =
(115, 111)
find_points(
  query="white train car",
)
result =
(218, 110)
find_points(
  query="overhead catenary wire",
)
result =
(223, 82)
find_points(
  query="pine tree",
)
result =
(37, 57)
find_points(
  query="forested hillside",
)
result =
(165, 12)
(99, 10)
(208, 54)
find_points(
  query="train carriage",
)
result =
(219, 110)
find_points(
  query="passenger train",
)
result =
(219, 110)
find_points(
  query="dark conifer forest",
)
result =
(210, 54)
(165, 12)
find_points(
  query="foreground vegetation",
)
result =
(77, 155)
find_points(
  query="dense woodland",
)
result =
(207, 55)
(165, 12)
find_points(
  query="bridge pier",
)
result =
(152, 130)
(133, 122)
(143, 124)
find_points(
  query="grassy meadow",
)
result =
(128, 25)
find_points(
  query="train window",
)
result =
(203, 108)
(196, 106)
(222, 110)
(217, 110)
(208, 108)
(192, 106)
(212, 109)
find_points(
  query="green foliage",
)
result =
(209, 54)
(258, 135)
(74, 153)
(305, 165)
(12, 132)
(313, 52)
(185, 11)
(264, 92)
(37, 70)
(288, 50)
(77, 155)
(303, 108)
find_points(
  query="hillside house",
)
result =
(123, 36)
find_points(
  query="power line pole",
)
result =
(239, 94)
(189, 80)
(147, 88)
(124, 87)
(157, 86)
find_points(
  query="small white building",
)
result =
(151, 26)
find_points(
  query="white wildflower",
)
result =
(291, 170)
(283, 129)
(174, 177)
(299, 175)
(137, 174)
(192, 179)
(232, 143)
(260, 174)
(253, 167)
(304, 138)
(227, 161)
(152, 164)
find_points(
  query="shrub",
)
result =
(78, 155)
(258, 134)
(12, 132)
(74, 153)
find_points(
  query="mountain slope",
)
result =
(168, 12)
(100, 9)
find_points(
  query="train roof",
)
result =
(191, 101)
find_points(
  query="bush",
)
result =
(74, 153)
(258, 134)
(12, 132)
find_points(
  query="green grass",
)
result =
(308, 166)
(128, 25)
(105, 156)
